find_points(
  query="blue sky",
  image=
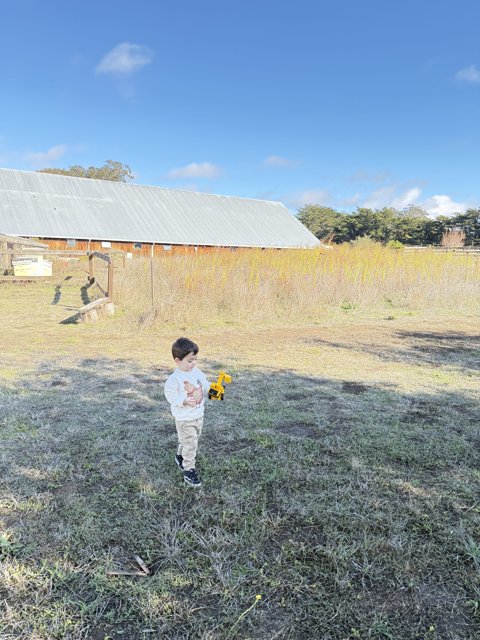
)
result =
(344, 103)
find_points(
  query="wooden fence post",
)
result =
(110, 279)
(91, 269)
(5, 259)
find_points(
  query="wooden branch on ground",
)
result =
(142, 564)
(145, 571)
(123, 572)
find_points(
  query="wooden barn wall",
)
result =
(129, 247)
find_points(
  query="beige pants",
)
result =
(189, 431)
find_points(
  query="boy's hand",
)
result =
(198, 395)
(190, 402)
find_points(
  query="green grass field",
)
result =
(341, 478)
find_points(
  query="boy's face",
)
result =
(188, 362)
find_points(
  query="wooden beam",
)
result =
(110, 280)
(91, 269)
(42, 252)
(24, 242)
(105, 293)
(4, 262)
(102, 256)
(14, 279)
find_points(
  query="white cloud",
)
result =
(469, 74)
(41, 159)
(435, 206)
(443, 206)
(388, 197)
(124, 59)
(309, 196)
(407, 198)
(195, 170)
(278, 161)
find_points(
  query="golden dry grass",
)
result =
(304, 286)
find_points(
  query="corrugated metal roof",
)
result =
(52, 206)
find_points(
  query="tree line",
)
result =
(388, 225)
(112, 170)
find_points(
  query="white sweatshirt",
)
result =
(175, 393)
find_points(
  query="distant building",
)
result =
(78, 213)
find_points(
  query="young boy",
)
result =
(184, 389)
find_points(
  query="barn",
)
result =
(82, 214)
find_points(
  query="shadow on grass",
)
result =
(452, 348)
(352, 509)
(85, 294)
(58, 294)
(73, 319)
(58, 291)
(76, 317)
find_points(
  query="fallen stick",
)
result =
(142, 564)
(122, 572)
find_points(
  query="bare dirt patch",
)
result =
(354, 387)
(298, 429)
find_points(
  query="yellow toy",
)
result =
(217, 390)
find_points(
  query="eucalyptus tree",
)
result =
(112, 170)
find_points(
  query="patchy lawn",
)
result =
(341, 480)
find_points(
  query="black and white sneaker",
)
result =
(179, 461)
(191, 478)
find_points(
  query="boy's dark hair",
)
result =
(182, 347)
